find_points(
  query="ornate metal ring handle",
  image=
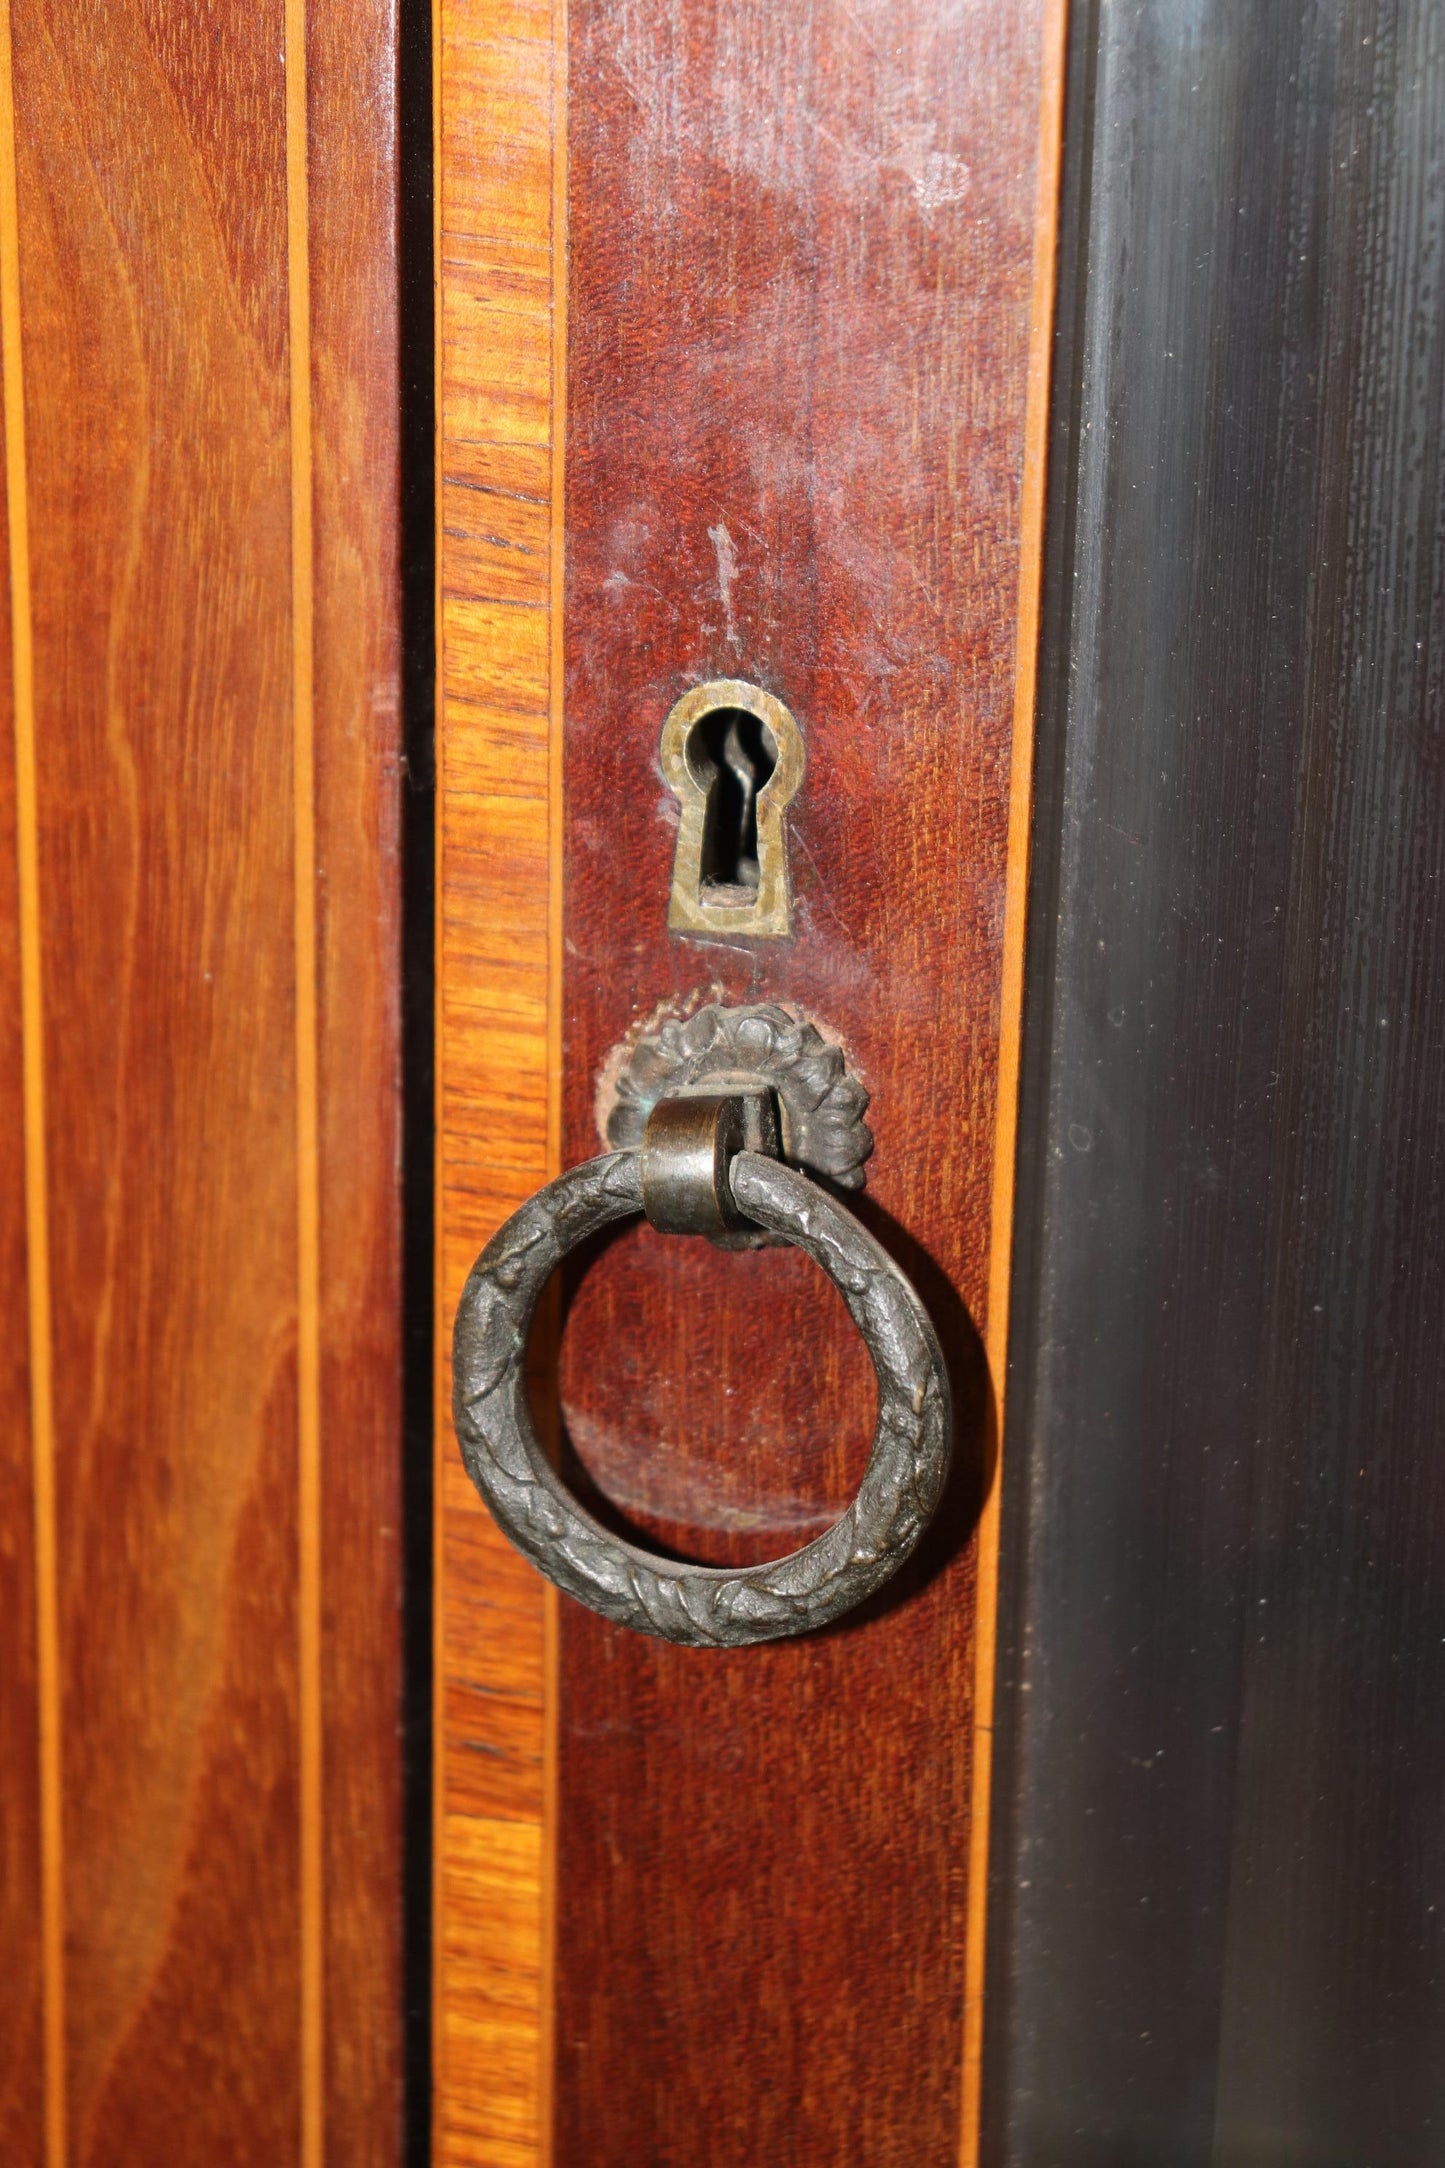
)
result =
(694, 1174)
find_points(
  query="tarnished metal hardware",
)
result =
(687, 1150)
(708, 1047)
(738, 885)
(704, 1606)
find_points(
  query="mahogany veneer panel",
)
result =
(210, 438)
(787, 274)
(801, 248)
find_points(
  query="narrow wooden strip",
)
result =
(557, 652)
(22, 2059)
(440, 1367)
(352, 94)
(498, 948)
(42, 1416)
(308, 1211)
(556, 956)
(1020, 819)
(491, 1869)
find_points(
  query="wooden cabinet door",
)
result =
(1107, 1830)
(200, 1245)
(746, 322)
(743, 359)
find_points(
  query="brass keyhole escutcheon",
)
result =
(733, 757)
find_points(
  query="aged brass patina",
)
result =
(692, 1173)
(749, 895)
(687, 1151)
(708, 1047)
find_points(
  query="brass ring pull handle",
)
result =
(694, 1174)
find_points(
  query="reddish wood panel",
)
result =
(152, 193)
(351, 68)
(801, 263)
(166, 452)
(21, 2057)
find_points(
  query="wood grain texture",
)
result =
(497, 151)
(801, 279)
(765, 1859)
(22, 2058)
(351, 63)
(49, 1860)
(163, 498)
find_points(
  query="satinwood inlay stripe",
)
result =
(501, 199)
(308, 1270)
(42, 1421)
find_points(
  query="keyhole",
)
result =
(731, 755)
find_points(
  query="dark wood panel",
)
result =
(22, 2061)
(801, 256)
(1222, 1892)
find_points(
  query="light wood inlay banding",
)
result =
(501, 354)
(308, 1205)
(37, 1227)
